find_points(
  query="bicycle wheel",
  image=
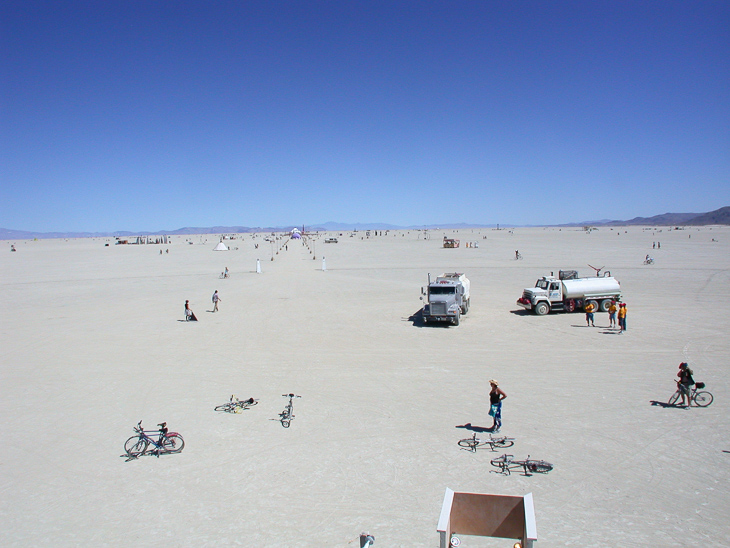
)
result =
(703, 399)
(470, 443)
(227, 407)
(538, 466)
(674, 398)
(503, 443)
(173, 443)
(135, 446)
(501, 460)
(285, 423)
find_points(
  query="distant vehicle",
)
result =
(569, 293)
(451, 243)
(331, 241)
(447, 298)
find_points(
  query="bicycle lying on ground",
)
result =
(701, 398)
(649, 261)
(236, 405)
(473, 442)
(287, 414)
(506, 464)
(166, 442)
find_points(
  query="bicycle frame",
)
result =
(287, 415)
(137, 445)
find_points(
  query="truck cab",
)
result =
(447, 298)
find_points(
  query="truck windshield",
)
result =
(442, 290)
(542, 284)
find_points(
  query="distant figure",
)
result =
(12, 247)
(496, 395)
(622, 317)
(589, 314)
(517, 254)
(167, 251)
(160, 252)
(189, 315)
(612, 309)
(653, 246)
(685, 382)
(215, 299)
(225, 273)
(658, 245)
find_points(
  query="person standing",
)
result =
(622, 317)
(589, 314)
(496, 395)
(612, 314)
(685, 382)
(215, 300)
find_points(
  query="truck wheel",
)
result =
(593, 302)
(466, 307)
(605, 303)
(457, 319)
(542, 308)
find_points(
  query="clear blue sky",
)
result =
(155, 115)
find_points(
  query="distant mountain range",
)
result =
(718, 217)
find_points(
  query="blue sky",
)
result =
(155, 115)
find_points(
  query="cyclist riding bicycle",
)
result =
(685, 383)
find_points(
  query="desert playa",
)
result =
(94, 340)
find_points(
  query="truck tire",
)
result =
(457, 319)
(466, 307)
(542, 308)
(605, 303)
(593, 302)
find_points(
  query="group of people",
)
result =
(614, 310)
(190, 315)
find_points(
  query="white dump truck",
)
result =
(447, 298)
(569, 293)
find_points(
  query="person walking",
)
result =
(189, 315)
(589, 314)
(496, 395)
(622, 317)
(685, 382)
(215, 300)
(612, 314)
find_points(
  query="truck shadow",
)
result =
(522, 312)
(417, 319)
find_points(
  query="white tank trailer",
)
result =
(569, 293)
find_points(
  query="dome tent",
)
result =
(221, 247)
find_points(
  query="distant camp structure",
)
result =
(143, 240)
(221, 247)
(450, 242)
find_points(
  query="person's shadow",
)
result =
(665, 404)
(469, 426)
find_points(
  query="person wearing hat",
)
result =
(622, 317)
(496, 395)
(612, 314)
(685, 382)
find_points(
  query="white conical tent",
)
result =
(221, 247)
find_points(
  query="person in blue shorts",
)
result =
(496, 395)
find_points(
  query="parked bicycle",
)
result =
(236, 405)
(287, 415)
(474, 442)
(701, 398)
(506, 464)
(166, 442)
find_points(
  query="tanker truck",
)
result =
(447, 298)
(569, 293)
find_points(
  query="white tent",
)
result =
(221, 247)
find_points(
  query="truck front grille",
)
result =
(438, 309)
